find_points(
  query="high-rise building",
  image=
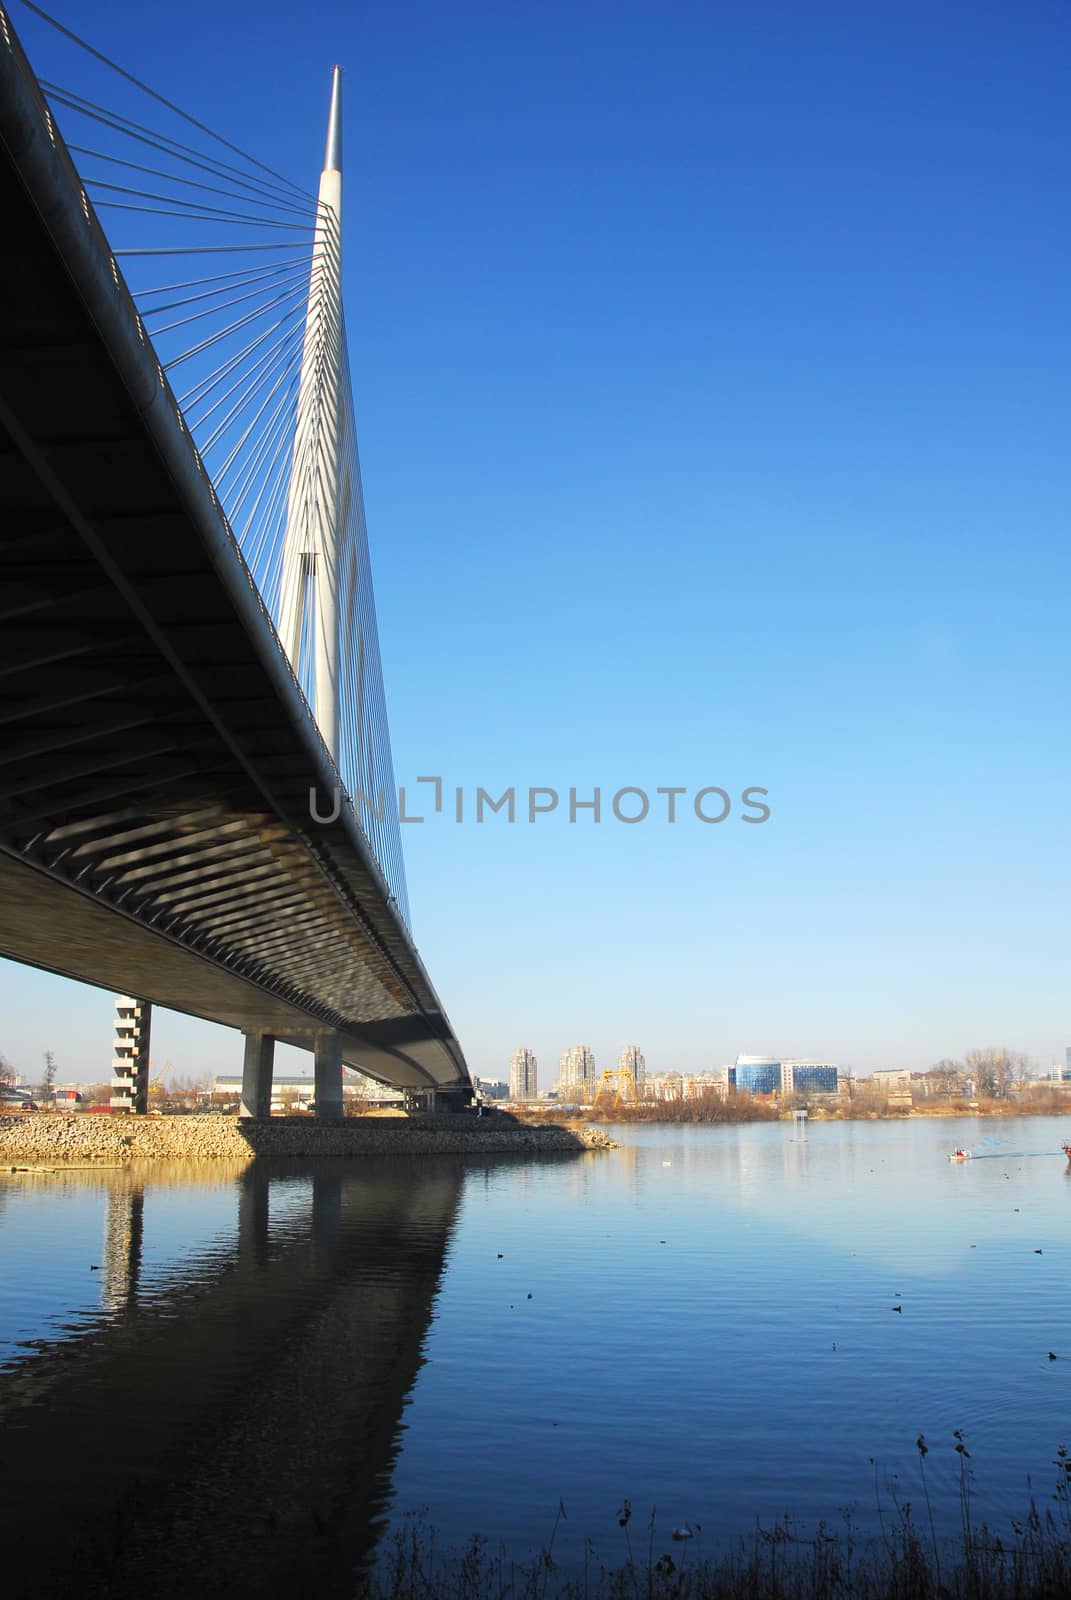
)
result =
(576, 1072)
(522, 1075)
(632, 1060)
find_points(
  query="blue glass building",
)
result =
(765, 1075)
(814, 1077)
(758, 1075)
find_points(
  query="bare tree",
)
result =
(7, 1073)
(946, 1076)
(995, 1069)
(358, 1087)
(187, 1083)
(48, 1082)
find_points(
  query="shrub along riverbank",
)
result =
(747, 1108)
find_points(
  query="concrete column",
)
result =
(328, 1073)
(258, 1066)
(130, 1054)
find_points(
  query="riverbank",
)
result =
(73, 1139)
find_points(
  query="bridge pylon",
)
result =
(312, 544)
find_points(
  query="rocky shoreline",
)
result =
(77, 1139)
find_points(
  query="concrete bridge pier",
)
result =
(328, 1073)
(258, 1067)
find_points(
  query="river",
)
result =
(256, 1372)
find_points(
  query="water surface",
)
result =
(702, 1321)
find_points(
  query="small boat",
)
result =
(962, 1155)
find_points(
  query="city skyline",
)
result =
(55, 1014)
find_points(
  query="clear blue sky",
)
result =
(713, 374)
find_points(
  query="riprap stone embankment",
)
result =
(73, 1138)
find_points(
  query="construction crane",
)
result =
(620, 1084)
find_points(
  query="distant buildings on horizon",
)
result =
(577, 1072)
(579, 1078)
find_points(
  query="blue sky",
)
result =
(712, 369)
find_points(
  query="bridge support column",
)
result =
(258, 1067)
(130, 1058)
(328, 1072)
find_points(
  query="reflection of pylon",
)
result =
(620, 1084)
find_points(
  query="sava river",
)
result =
(214, 1380)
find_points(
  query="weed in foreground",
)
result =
(778, 1562)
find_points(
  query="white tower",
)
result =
(309, 605)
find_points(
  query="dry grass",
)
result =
(908, 1562)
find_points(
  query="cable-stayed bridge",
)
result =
(189, 658)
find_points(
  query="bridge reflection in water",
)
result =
(229, 1426)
